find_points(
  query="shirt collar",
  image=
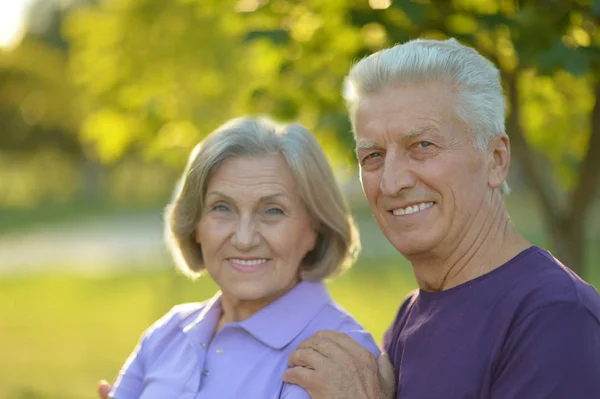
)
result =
(202, 326)
(275, 325)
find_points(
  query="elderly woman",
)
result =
(258, 209)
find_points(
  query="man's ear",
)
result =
(499, 160)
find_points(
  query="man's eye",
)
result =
(371, 156)
(424, 144)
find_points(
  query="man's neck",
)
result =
(477, 253)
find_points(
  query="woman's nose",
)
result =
(246, 235)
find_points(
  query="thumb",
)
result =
(387, 376)
(103, 389)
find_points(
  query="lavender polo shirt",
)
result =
(178, 357)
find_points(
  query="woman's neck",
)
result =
(234, 309)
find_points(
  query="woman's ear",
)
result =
(499, 160)
(197, 235)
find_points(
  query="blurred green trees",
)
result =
(148, 78)
(39, 119)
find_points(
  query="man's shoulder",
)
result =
(407, 304)
(545, 281)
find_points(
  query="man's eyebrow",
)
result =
(366, 146)
(412, 133)
(417, 131)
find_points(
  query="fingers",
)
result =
(387, 376)
(324, 345)
(103, 389)
(332, 343)
(331, 364)
(308, 358)
(304, 377)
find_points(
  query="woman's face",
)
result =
(254, 230)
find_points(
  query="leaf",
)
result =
(577, 62)
(415, 11)
(573, 60)
(462, 23)
(548, 60)
(276, 36)
(596, 8)
(493, 20)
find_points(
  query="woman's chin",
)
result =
(254, 291)
(249, 292)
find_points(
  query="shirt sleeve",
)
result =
(366, 340)
(130, 382)
(388, 343)
(291, 391)
(552, 354)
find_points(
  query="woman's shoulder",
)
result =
(176, 319)
(334, 317)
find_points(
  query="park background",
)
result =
(102, 100)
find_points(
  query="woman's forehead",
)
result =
(268, 176)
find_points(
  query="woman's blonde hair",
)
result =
(337, 241)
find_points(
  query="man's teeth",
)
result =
(250, 262)
(412, 209)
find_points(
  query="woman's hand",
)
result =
(103, 389)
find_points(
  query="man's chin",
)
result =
(413, 248)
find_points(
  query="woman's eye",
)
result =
(220, 208)
(274, 211)
(424, 144)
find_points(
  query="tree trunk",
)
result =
(568, 244)
(566, 229)
(93, 174)
(573, 226)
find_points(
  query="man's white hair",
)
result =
(480, 102)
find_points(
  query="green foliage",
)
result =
(555, 114)
(161, 74)
(36, 98)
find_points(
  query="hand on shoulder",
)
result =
(332, 365)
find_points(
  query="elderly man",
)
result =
(494, 317)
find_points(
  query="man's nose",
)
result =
(397, 174)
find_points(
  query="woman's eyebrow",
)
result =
(264, 198)
(217, 193)
(269, 197)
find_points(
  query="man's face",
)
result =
(421, 173)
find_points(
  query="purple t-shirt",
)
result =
(529, 329)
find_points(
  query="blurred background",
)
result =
(102, 100)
